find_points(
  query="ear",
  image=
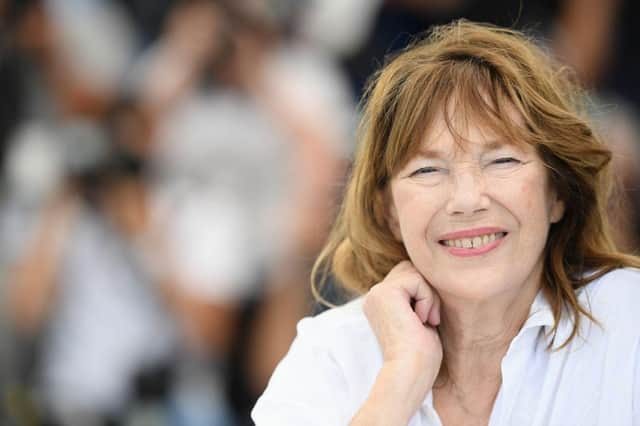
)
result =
(557, 210)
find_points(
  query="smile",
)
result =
(474, 242)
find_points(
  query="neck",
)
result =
(476, 334)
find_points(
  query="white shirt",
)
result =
(595, 380)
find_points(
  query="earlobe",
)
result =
(557, 211)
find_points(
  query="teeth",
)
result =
(474, 242)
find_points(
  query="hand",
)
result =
(403, 311)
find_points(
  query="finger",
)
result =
(423, 297)
(416, 287)
(434, 313)
(422, 310)
(426, 303)
(403, 266)
(405, 276)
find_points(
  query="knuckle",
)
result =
(400, 266)
(374, 293)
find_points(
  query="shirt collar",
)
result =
(540, 313)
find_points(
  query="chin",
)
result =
(472, 284)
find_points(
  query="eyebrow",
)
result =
(491, 145)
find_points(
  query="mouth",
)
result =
(474, 242)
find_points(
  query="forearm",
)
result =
(395, 396)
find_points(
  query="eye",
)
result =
(504, 163)
(503, 166)
(427, 171)
(506, 160)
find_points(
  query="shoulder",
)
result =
(337, 327)
(332, 362)
(342, 339)
(613, 298)
(620, 285)
(344, 336)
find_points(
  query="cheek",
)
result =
(531, 196)
(534, 201)
(416, 210)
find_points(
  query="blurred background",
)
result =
(169, 170)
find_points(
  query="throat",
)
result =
(465, 404)
(468, 384)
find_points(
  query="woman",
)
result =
(475, 226)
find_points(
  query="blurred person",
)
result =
(222, 229)
(304, 136)
(59, 82)
(213, 240)
(474, 236)
(80, 285)
(244, 105)
(15, 404)
(206, 145)
(44, 99)
(68, 91)
(303, 93)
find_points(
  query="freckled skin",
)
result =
(474, 192)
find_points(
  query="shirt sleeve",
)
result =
(307, 388)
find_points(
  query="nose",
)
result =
(468, 194)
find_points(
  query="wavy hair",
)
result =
(481, 72)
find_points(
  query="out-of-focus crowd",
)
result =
(170, 169)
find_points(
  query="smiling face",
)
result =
(474, 214)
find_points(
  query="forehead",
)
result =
(467, 104)
(439, 140)
(482, 122)
(456, 130)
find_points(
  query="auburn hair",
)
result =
(479, 71)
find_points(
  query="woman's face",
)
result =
(474, 215)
